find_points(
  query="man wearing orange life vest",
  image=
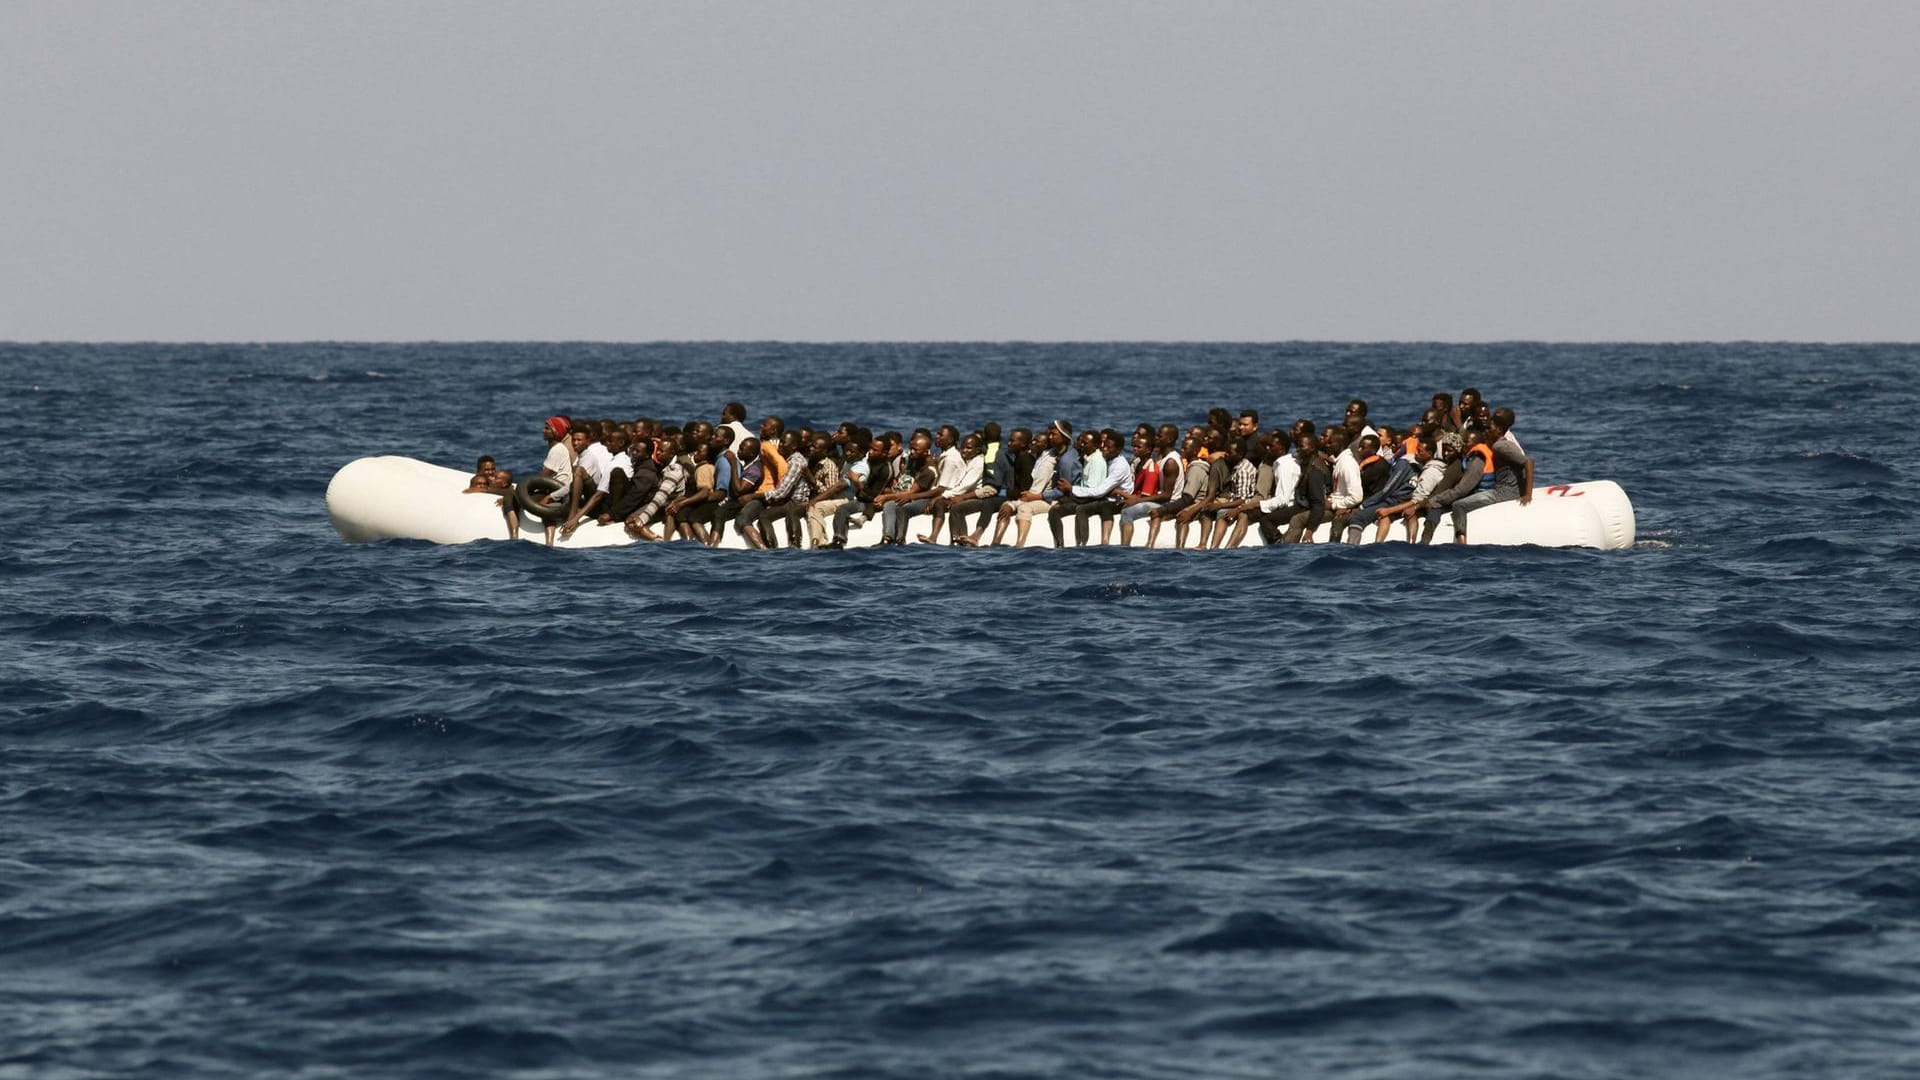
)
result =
(1465, 466)
(1512, 473)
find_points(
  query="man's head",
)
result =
(1109, 443)
(972, 447)
(990, 432)
(485, 466)
(772, 428)
(1305, 445)
(733, 413)
(1368, 446)
(1142, 447)
(920, 447)
(748, 450)
(1019, 439)
(1502, 419)
(789, 444)
(1190, 447)
(1087, 443)
(1248, 423)
(557, 428)
(1060, 435)
(948, 438)
(1357, 409)
(1167, 438)
(1335, 440)
(821, 446)
(662, 450)
(581, 439)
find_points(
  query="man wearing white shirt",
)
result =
(961, 468)
(592, 475)
(1346, 475)
(1097, 486)
(1274, 511)
(734, 417)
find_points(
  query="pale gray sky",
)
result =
(959, 170)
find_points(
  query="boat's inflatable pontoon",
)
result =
(399, 498)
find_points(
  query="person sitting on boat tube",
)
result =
(1465, 465)
(671, 476)
(1512, 473)
(487, 479)
(557, 467)
(592, 475)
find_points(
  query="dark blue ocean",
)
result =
(275, 805)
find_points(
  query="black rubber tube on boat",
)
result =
(528, 493)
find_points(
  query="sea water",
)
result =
(273, 804)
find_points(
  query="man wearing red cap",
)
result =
(558, 464)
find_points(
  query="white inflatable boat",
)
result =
(399, 498)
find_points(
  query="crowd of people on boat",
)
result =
(1207, 485)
